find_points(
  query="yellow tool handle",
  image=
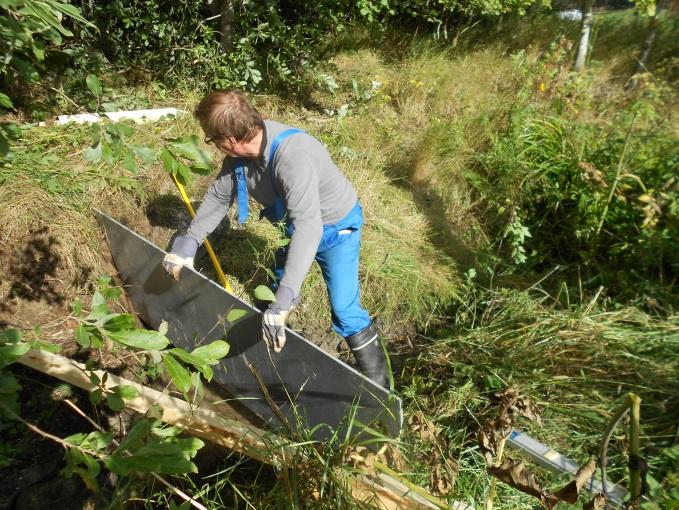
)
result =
(208, 246)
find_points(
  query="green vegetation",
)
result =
(522, 220)
(149, 447)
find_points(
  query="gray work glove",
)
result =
(183, 250)
(274, 318)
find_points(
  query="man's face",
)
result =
(234, 148)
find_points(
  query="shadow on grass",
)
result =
(433, 206)
(242, 254)
(168, 211)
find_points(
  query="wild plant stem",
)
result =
(631, 404)
(614, 185)
(634, 453)
(492, 493)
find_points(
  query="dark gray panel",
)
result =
(321, 388)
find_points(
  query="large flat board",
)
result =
(308, 386)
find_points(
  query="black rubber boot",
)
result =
(366, 347)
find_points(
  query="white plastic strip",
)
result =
(135, 115)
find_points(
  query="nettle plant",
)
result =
(149, 446)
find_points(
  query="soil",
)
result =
(30, 477)
(39, 281)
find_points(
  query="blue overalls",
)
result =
(337, 253)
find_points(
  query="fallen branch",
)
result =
(389, 491)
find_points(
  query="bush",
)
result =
(272, 44)
(602, 197)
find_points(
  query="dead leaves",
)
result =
(515, 474)
(491, 437)
(362, 458)
(569, 493)
(444, 472)
(597, 503)
(443, 468)
(513, 404)
(366, 460)
(592, 174)
(494, 432)
(426, 428)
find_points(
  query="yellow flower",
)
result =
(542, 86)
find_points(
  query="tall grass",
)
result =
(576, 364)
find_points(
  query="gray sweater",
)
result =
(315, 192)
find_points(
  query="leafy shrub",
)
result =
(272, 43)
(28, 29)
(602, 197)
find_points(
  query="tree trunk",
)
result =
(645, 52)
(585, 31)
(224, 10)
(227, 25)
(646, 46)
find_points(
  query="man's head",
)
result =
(231, 122)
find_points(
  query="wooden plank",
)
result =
(199, 421)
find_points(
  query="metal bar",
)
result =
(557, 463)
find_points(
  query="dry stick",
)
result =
(162, 480)
(47, 435)
(492, 492)
(617, 175)
(276, 410)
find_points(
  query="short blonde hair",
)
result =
(226, 113)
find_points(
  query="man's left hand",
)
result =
(275, 317)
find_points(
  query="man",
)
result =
(292, 175)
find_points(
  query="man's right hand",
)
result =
(173, 264)
(183, 250)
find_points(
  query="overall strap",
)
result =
(241, 192)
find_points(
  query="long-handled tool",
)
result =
(208, 246)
